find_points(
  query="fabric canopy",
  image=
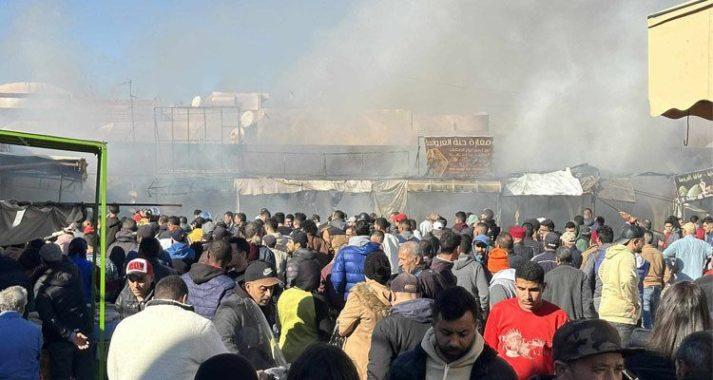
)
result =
(20, 224)
(561, 182)
(681, 61)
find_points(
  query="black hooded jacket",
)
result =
(402, 330)
(60, 302)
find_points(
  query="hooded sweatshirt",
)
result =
(471, 276)
(620, 292)
(438, 369)
(502, 286)
(207, 286)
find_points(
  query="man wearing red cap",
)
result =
(519, 248)
(138, 289)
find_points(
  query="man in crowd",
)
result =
(411, 258)
(403, 329)
(207, 282)
(568, 289)
(150, 249)
(138, 290)
(440, 275)
(694, 357)
(587, 349)
(532, 239)
(335, 233)
(502, 283)
(390, 245)
(182, 255)
(521, 328)
(688, 255)
(487, 216)
(519, 248)
(584, 241)
(113, 224)
(604, 240)
(21, 340)
(197, 230)
(708, 229)
(165, 341)
(460, 222)
(406, 232)
(66, 321)
(125, 243)
(348, 269)
(303, 314)
(568, 240)
(245, 319)
(619, 304)
(471, 276)
(654, 280)
(548, 259)
(452, 348)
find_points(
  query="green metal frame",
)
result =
(100, 150)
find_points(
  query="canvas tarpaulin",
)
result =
(561, 182)
(20, 224)
(387, 196)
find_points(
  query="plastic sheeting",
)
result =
(561, 182)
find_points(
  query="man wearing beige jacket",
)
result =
(620, 304)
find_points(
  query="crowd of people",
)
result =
(363, 297)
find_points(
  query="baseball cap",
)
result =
(481, 240)
(552, 240)
(517, 232)
(141, 266)
(628, 232)
(405, 283)
(586, 337)
(261, 271)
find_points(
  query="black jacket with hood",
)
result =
(402, 330)
(60, 302)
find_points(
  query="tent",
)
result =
(100, 150)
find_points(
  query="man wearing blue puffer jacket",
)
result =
(348, 269)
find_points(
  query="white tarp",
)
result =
(561, 182)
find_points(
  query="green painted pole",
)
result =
(102, 174)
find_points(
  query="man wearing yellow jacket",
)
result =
(620, 292)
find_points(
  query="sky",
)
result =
(203, 46)
(563, 81)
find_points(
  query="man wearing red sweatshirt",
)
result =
(521, 329)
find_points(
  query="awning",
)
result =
(264, 186)
(681, 61)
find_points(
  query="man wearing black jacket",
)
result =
(66, 321)
(440, 276)
(403, 329)
(452, 348)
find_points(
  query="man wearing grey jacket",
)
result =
(471, 276)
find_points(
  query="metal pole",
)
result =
(59, 196)
(131, 102)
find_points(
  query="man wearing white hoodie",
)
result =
(452, 348)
